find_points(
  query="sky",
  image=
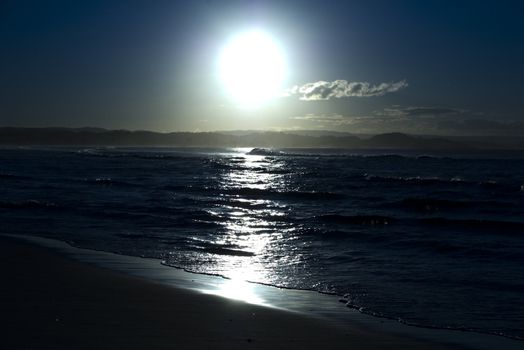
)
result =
(422, 67)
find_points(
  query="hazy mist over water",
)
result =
(433, 240)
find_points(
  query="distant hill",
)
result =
(102, 137)
(295, 132)
(403, 141)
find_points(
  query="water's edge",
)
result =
(307, 302)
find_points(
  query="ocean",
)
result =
(428, 239)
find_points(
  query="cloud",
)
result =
(413, 112)
(395, 115)
(333, 119)
(329, 120)
(429, 120)
(325, 90)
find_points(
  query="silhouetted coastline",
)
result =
(103, 137)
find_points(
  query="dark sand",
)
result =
(51, 302)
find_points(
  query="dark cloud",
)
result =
(325, 90)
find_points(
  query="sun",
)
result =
(252, 68)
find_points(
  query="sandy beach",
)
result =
(51, 302)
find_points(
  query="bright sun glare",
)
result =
(252, 68)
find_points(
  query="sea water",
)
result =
(433, 240)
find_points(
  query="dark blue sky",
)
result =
(153, 65)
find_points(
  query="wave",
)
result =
(496, 226)
(238, 166)
(175, 188)
(338, 234)
(150, 236)
(372, 220)
(341, 153)
(250, 205)
(265, 152)
(90, 151)
(435, 181)
(28, 204)
(429, 204)
(8, 176)
(274, 171)
(111, 153)
(221, 164)
(107, 181)
(305, 195)
(478, 224)
(219, 249)
(410, 179)
(172, 217)
(352, 303)
(443, 247)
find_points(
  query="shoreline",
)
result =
(99, 282)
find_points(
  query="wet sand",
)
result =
(48, 301)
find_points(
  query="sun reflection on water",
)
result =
(250, 223)
(237, 289)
